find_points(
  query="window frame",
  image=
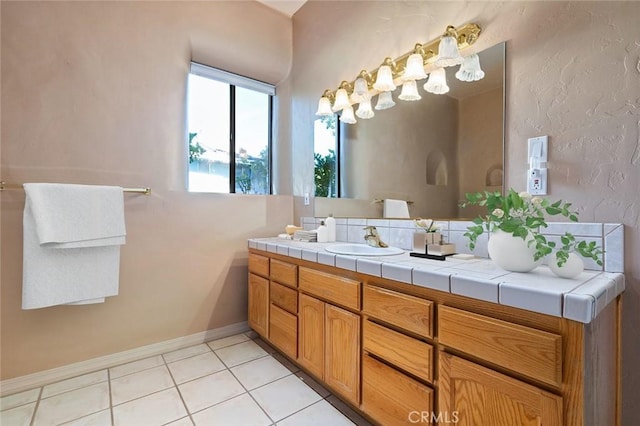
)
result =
(235, 80)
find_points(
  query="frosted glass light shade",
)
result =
(384, 81)
(364, 110)
(410, 91)
(385, 101)
(415, 68)
(360, 91)
(470, 69)
(448, 54)
(324, 107)
(437, 82)
(342, 100)
(347, 115)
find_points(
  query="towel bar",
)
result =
(377, 200)
(145, 191)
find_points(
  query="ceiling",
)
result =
(288, 7)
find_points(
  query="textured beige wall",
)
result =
(94, 92)
(573, 73)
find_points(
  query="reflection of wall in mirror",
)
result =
(388, 155)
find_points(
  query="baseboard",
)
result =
(41, 378)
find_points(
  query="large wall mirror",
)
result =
(429, 152)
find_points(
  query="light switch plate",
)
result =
(533, 144)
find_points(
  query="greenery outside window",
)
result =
(326, 157)
(230, 126)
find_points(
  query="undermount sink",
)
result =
(362, 250)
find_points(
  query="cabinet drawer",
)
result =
(408, 312)
(259, 264)
(283, 330)
(405, 352)
(284, 273)
(284, 297)
(390, 397)
(534, 353)
(341, 291)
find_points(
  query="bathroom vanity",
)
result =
(414, 341)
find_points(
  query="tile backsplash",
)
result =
(399, 233)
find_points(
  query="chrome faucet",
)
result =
(373, 238)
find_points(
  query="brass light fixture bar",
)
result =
(466, 35)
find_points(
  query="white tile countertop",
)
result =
(579, 299)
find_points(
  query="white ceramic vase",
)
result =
(512, 253)
(571, 269)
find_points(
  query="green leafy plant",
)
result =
(522, 215)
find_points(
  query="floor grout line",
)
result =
(164, 363)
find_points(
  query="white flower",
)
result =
(536, 200)
(499, 213)
(525, 195)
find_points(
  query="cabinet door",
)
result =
(476, 395)
(342, 352)
(283, 330)
(258, 304)
(311, 334)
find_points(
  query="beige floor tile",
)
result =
(284, 397)
(319, 414)
(259, 372)
(155, 409)
(135, 366)
(139, 384)
(74, 383)
(72, 405)
(194, 367)
(18, 416)
(239, 411)
(240, 353)
(227, 341)
(18, 399)
(185, 421)
(102, 418)
(210, 390)
(186, 353)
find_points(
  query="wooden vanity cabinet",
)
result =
(258, 294)
(404, 354)
(283, 307)
(475, 395)
(329, 335)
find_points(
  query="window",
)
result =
(229, 121)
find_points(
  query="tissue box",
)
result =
(441, 249)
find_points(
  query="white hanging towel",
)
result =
(72, 238)
(395, 209)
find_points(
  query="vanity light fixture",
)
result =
(324, 105)
(384, 81)
(364, 109)
(448, 53)
(410, 91)
(361, 87)
(342, 97)
(415, 65)
(442, 52)
(385, 101)
(437, 83)
(470, 69)
(347, 115)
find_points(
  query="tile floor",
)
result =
(238, 380)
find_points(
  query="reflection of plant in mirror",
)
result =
(325, 174)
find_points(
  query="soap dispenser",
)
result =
(330, 222)
(323, 233)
